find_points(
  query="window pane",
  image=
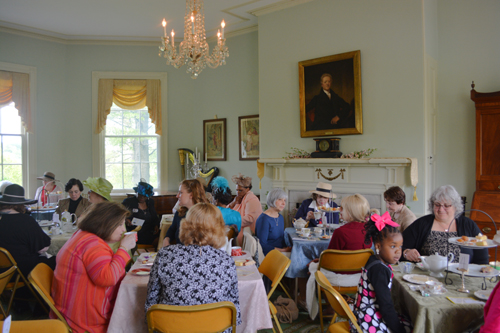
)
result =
(12, 149)
(10, 120)
(131, 122)
(13, 173)
(114, 123)
(131, 150)
(153, 174)
(114, 175)
(113, 150)
(131, 175)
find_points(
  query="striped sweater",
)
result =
(86, 281)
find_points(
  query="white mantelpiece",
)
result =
(367, 176)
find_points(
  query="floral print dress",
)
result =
(374, 308)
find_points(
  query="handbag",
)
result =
(287, 310)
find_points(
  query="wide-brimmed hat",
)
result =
(14, 195)
(144, 189)
(242, 180)
(325, 190)
(100, 186)
(48, 176)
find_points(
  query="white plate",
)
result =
(483, 294)
(43, 209)
(418, 278)
(473, 271)
(326, 238)
(329, 211)
(491, 243)
(45, 223)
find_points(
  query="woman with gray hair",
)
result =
(429, 234)
(270, 225)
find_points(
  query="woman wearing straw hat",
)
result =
(20, 234)
(49, 192)
(321, 197)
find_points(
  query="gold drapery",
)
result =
(129, 95)
(15, 87)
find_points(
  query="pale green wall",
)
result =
(389, 35)
(64, 121)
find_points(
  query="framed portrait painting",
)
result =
(214, 139)
(249, 137)
(330, 95)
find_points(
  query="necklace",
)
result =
(276, 220)
(445, 229)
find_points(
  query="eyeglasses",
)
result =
(438, 206)
(391, 203)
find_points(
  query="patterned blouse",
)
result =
(438, 242)
(192, 275)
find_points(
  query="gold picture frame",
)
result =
(214, 139)
(249, 137)
(339, 110)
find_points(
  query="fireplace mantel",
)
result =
(368, 176)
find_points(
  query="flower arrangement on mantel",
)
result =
(297, 153)
(359, 154)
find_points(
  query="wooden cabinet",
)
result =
(487, 195)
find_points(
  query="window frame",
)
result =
(98, 152)
(28, 139)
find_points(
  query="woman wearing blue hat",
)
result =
(142, 207)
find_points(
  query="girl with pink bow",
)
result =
(374, 307)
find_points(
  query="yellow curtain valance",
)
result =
(15, 87)
(129, 95)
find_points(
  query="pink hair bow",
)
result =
(382, 221)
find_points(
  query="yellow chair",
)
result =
(7, 261)
(341, 261)
(41, 277)
(37, 326)
(4, 280)
(274, 266)
(338, 304)
(213, 317)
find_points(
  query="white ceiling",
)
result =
(127, 20)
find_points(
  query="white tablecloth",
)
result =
(57, 242)
(129, 315)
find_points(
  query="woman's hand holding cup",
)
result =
(129, 240)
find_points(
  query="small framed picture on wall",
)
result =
(249, 137)
(214, 139)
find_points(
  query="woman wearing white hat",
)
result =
(49, 192)
(20, 234)
(321, 197)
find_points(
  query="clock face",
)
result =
(324, 145)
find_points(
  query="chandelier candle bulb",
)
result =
(223, 24)
(173, 34)
(164, 24)
(192, 24)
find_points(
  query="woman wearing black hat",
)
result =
(20, 234)
(142, 207)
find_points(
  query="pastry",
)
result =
(486, 269)
(465, 238)
(482, 243)
(481, 237)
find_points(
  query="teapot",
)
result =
(436, 263)
(67, 221)
(299, 223)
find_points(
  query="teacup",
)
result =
(406, 267)
(131, 233)
(434, 286)
(236, 251)
(318, 215)
(318, 231)
(305, 231)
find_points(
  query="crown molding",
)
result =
(277, 6)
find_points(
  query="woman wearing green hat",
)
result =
(99, 189)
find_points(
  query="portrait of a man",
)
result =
(330, 95)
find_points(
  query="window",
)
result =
(130, 148)
(11, 145)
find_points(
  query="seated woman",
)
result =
(355, 210)
(320, 198)
(190, 193)
(395, 203)
(142, 207)
(246, 203)
(270, 226)
(99, 189)
(88, 273)
(20, 234)
(49, 192)
(196, 271)
(222, 196)
(75, 204)
(429, 234)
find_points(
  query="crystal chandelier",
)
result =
(194, 50)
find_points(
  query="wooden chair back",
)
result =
(213, 317)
